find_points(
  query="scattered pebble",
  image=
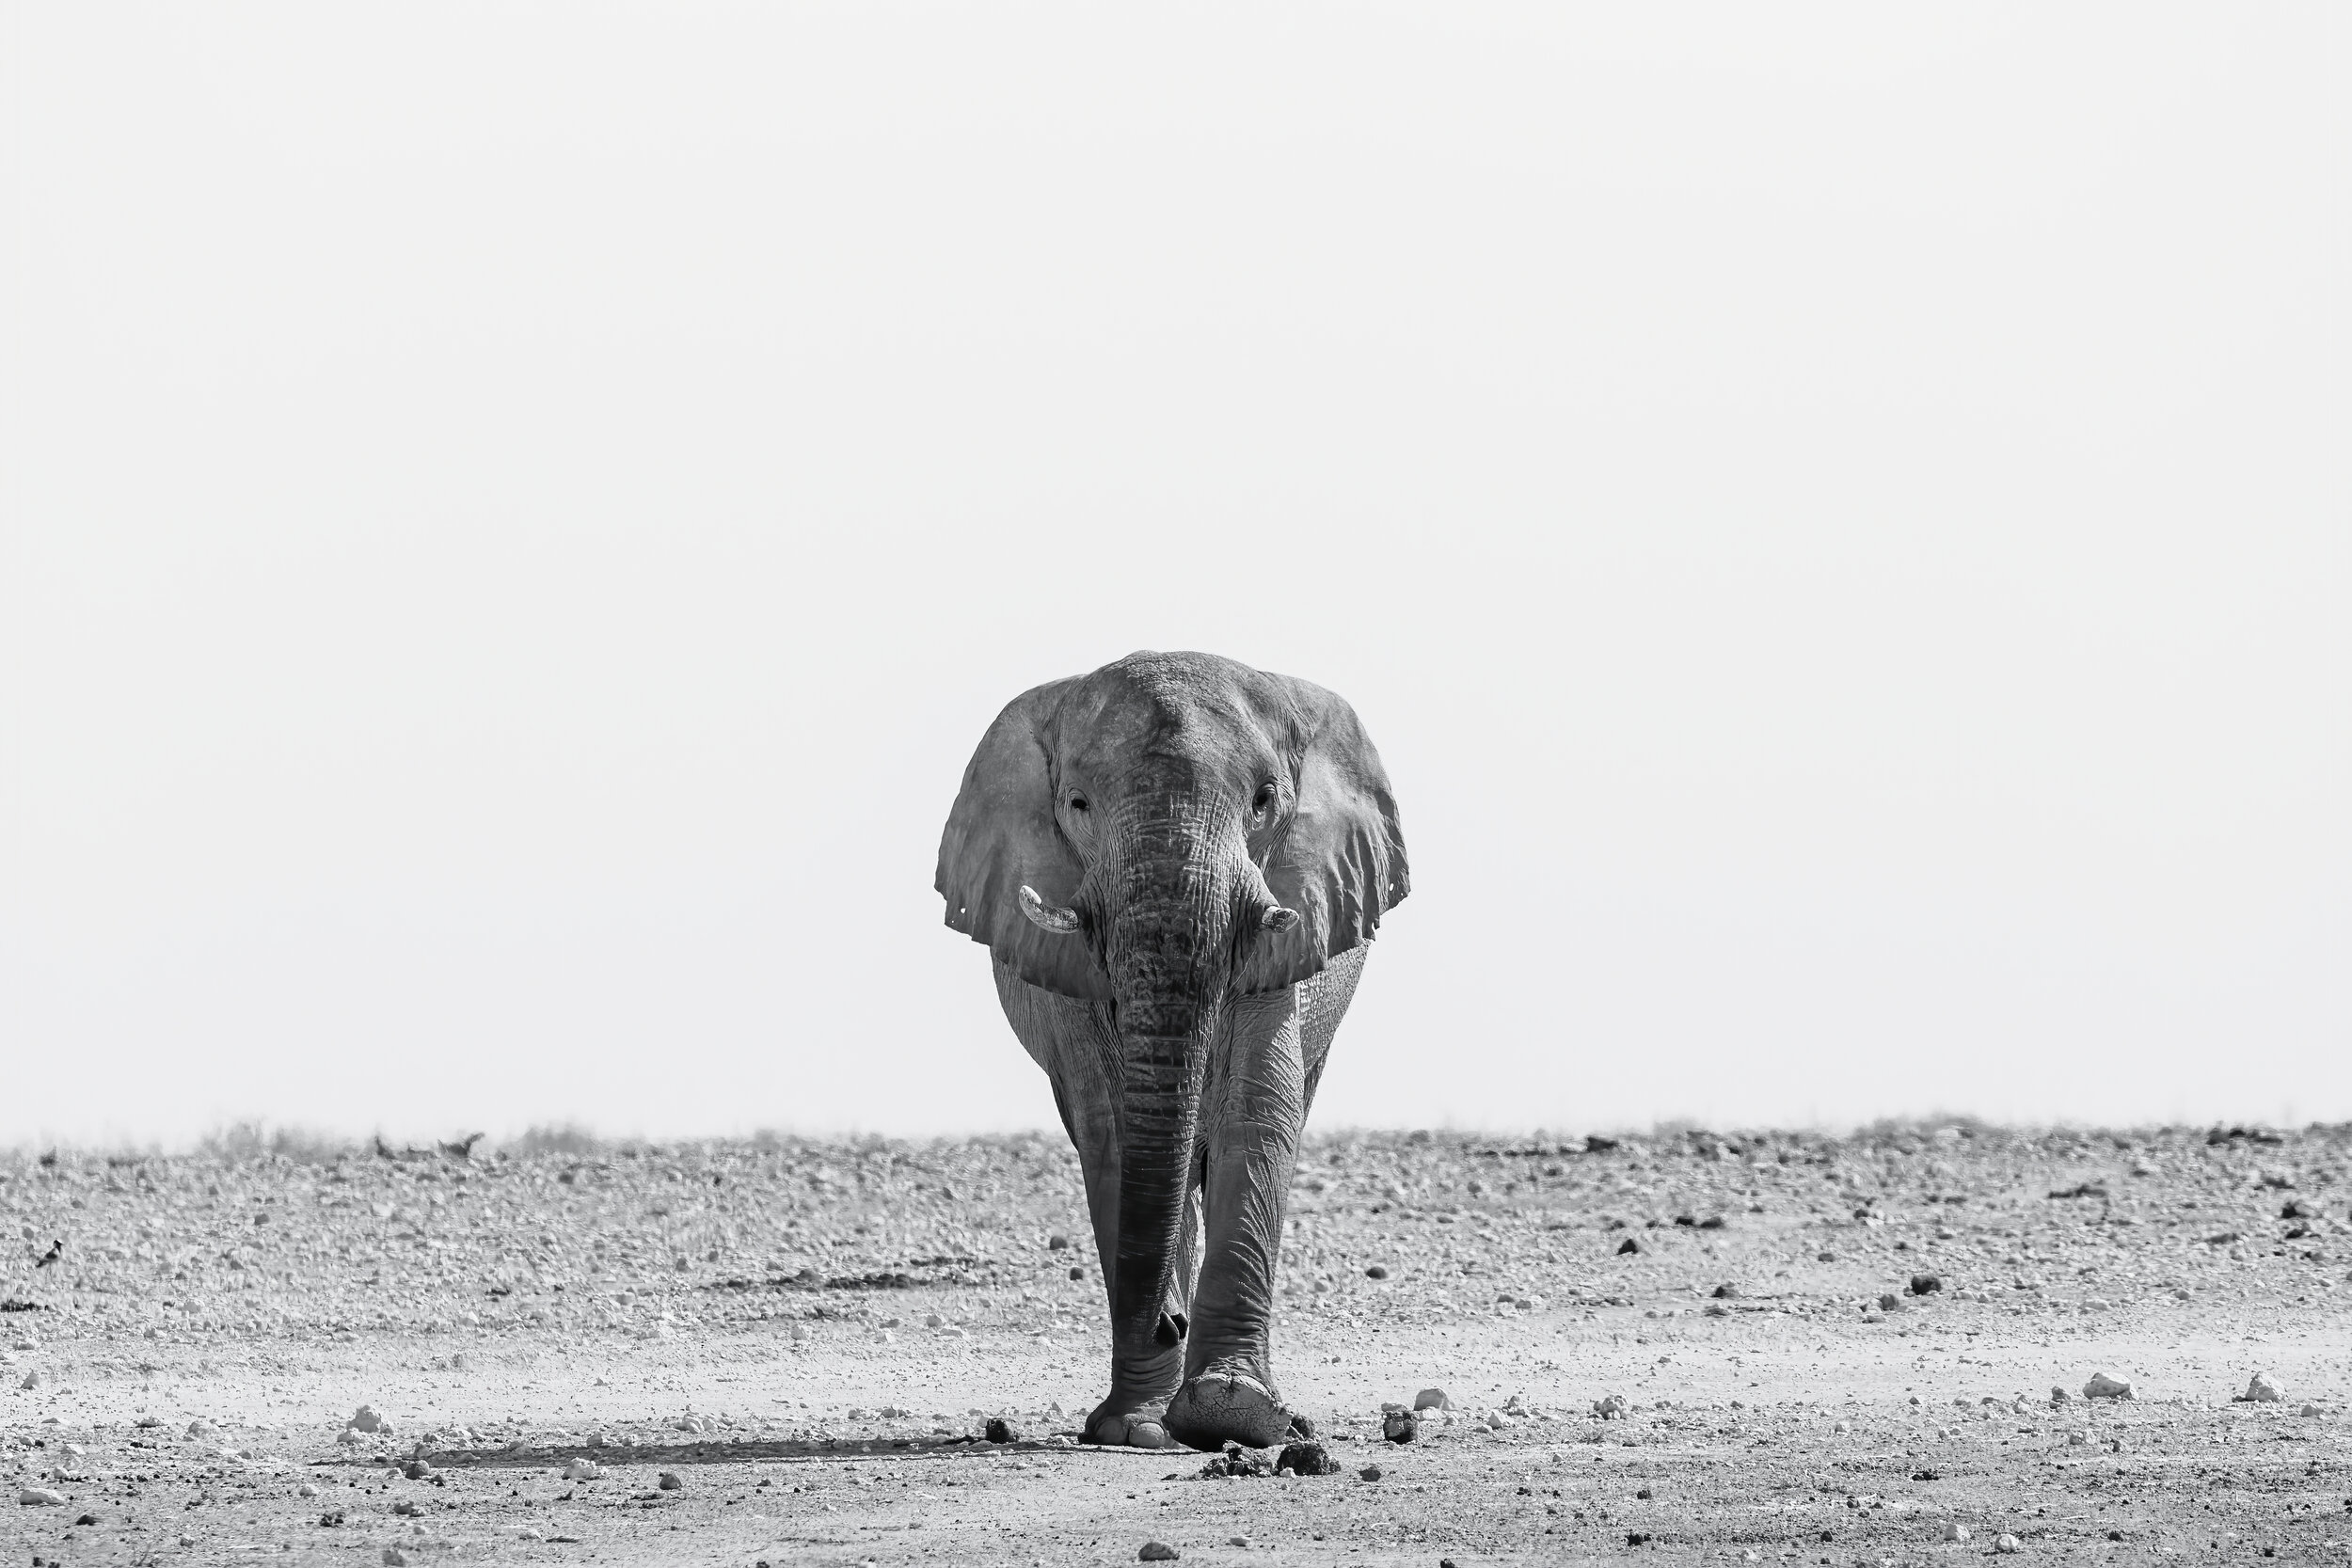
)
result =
(1378, 1270)
(40, 1497)
(1370, 1472)
(1156, 1551)
(306, 1490)
(2006, 1543)
(2264, 1390)
(1926, 1284)
(1000, 1431)
(583, 1470)
(1400, 1425)
(365, 1420)
(1611, 1408)
(1955, 1530)
(1629, 1245)
(2101, 1386)
(670, 1481)
(1431, 1399)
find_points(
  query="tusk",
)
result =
(1045, 917)
(1278, 919)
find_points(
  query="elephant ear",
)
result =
(1001, 834)
(1340, 861)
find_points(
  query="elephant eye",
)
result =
(1263, 801)
(1079, 803)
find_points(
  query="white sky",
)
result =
(515, 517)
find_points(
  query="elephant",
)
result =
(1176, 863)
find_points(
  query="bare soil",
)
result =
(811, 1338)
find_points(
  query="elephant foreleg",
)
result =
(1251, 1132)
(1077, 1045)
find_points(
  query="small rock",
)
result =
(394, 1557)
(1926, 1284)
(1726, 1292)
(201, 1428)
(1370, 1472)
(1609, 1407)
(365, 1420)
(86, 1519)
(408, 1510)
(1890, 1302)
(1400, 1425)
(1378, 1270)
(583, 1470)
(1955, 1530)
(2101, 1386)
(1156, 1551)
(1237, 1541)
(306, 1490)
(1431, 1399)
(40, 1497)
(2058, 1395)
(416, 1469)
(1000, 1431)
(2006, 1543)
(1307, 1459)
(1058, 1243)
(1628, 1245)
(2263, 1390)
(670, 1481)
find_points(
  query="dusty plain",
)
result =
(810, 1338)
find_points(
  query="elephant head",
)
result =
(1166, 835)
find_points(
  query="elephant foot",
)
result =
(1117, 1423)
(1221, 1406)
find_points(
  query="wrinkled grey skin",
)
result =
(1176, 863)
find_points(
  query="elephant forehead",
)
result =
(1192, 710)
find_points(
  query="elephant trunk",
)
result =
(1168, 943)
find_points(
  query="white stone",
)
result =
(2263, 1390)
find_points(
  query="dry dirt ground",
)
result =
(810, 1337)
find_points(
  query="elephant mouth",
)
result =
(1263, 915)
